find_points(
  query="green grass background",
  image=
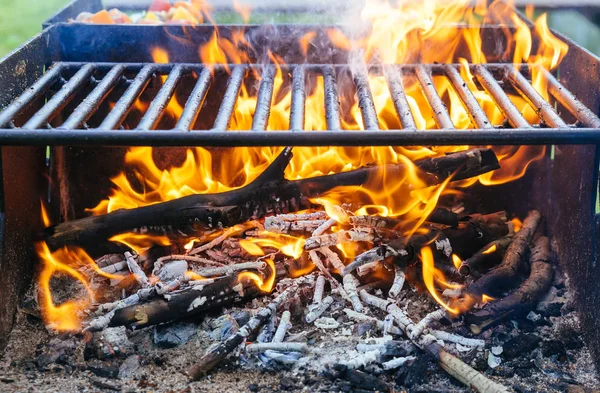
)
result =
(21, 19)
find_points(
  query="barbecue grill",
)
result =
(57, 89)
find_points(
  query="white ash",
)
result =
(398, 283)
(444, 246)
(327, 323)
(397, 362)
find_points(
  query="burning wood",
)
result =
(268, 193)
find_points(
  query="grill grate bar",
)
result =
(122, 107)
(332, 103)
(97, 92)
(263, 100)
(195, 100)
(365, 99)
(569, 101)
(230, 98)
(89, 105)
(540, 106)
(160, 102)
(474, 110)
(394, 81)
(61, 98)
(440, 112)
(38, 88)
(297, 110)
(508, 109)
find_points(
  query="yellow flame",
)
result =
(65, 262)
(490, 249)
(140, 242)
(251, 248)
(485, 299)
(264, 285)
(517, 224)
(456, 261)
(430, 275)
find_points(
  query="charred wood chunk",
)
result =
(269, 193)
(506, 275)
(524, 298)
(490, 255)
(179, 305)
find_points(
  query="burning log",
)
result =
(505, 275)
(489, 255)
(524, 298)
(451, 364)
(181, 304)
(270, 192)
(217, 354)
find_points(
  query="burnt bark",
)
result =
(185, 303)
(478, 262)
(269, 193)
(524, 298)
(506, 275)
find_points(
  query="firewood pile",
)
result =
(263, 276)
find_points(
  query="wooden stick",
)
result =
(217, 354)
(524, 298)
(506, 275)
(485, 257)
(269, 193)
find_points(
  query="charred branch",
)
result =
(524, 298)
(513, 264)
(490, 255)
(269, 193)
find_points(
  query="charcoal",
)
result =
(287, 383)
(58, 350)
(415, 373)
(174, 334)
(521, 344)
(107, 369)
(111, 342)
(554, 348)
(504, 371)
(223, 327)
(358, 379)
(253, 387)
(130, 367)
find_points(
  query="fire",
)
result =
(490, 250)
(140, 242)
(431, 275)
(517, 224)
(66, 262)
(456, 261)
(265, 285)
(408, 32)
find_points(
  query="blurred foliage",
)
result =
(21, 19)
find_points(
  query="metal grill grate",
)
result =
(36, 126)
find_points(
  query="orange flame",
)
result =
(430, 275)
(265, 285)
(456, 261)
(65, 262)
